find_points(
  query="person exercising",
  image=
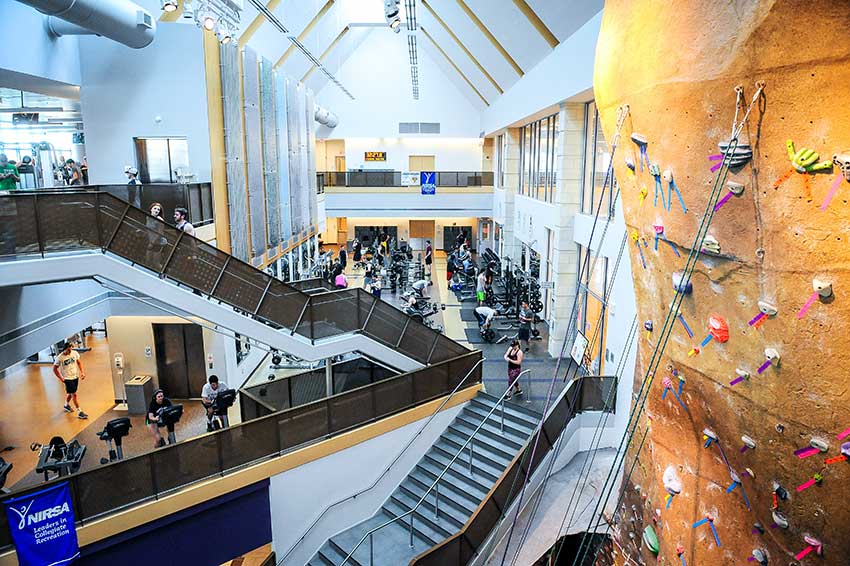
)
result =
(485, 315)
(209, 392)
(526, 317)
(481, 287)
(421, 288)
(158, 402)
(69, 370)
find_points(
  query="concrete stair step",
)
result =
(444, 455)
(510, 435)
(455, 475)
(497, 447)
(458, 493)
(480, 450)
(450, 517)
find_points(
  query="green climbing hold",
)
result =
(650, 539)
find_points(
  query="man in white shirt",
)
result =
(485, 315)
(481, 287)
(180, 220)
(68, 369)
(208, 394)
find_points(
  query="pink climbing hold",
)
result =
(806, 452)
(832, 191)
(808, 304)
(842, 434)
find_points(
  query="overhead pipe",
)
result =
(119, 20)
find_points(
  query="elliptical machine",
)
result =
(168, 417)
(114, 431)
(222, 402)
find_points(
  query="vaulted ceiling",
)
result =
(484, 46)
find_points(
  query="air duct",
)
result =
(119, 20)
(325, 117)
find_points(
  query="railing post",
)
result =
(528, 388)
(97, 222)
(411, 529)
(220, 275)
(312, 320)
(171, 253)
(117, 227)
(502, 403)
(471, 443)
(371, 309)
(403, 330)
(263, 297)
(37, 225)
(437, 501)
(371, 550)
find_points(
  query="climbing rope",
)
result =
(669, 321)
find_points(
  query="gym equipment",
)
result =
(114, 431)
(168, 417)
(58, 458)
(5, 468)
(222, 402)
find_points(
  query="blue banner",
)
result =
(42, 526)
(428, 182)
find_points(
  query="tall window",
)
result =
(597, 157)
(538, 150)
(593, 307)
(501, 156)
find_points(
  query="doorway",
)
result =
(421, 230)
(180, 359)
(420, 163)
(339, 164)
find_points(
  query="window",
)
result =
(501, 157)
(597, 158)
(538, 151)
(593, 307)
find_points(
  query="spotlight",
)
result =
(169, 5)
(209, 22)
(395, 24)
(224, 35)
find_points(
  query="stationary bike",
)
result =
(222, 402)
(114, 431)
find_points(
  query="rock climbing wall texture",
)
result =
(781, 241)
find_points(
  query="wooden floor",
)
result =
(31, 402)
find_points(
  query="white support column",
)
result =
(567, 198)
(512, 172)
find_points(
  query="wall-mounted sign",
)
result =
(409, 178)
(547, 284)
(376, 156)
(578, 349)
(428, 182)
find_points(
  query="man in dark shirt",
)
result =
(526, 317)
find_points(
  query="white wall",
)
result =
(450, 154)
(408, 204)
(378, 75)
(29, 51)
(298, 496)
(566, 72)
(531, 218)
(124, 90)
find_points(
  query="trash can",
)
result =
(139, 393)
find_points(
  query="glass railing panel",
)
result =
(282, 304)
(348, 409)
(334, 313)
(598, 393)
(303, 424)
(553, 426)
(18, 228)
(394, 394)
(417, 341)
(196, 264)
(186, 462)
(386, 323)
(68, 222)
(241, 286)
(248, 443)
(144, 240)
(478, 531)
(102, 490)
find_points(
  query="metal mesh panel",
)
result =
(312, 211)
(364, 306)
(110, 210)
(144, 240)
(247, 443)
(241, 286)
(18, 234)
(430, 382)
(196, 264)
(270, 174)
(254, 151)
(303, 424)
(283, 304)
(458, 368)
(446, 349)
(187, 462)
(352, 408)
(68, 221)
(417, 341)
(308, 387)
(281, 110)
(274, 393)
(234, 149)
(334, 313)
(111, 487)
(386, 323)
(393, 395)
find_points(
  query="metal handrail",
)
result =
(396, 459)
(436, 481)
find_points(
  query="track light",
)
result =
(395, 25)
(169, 5)
(224, 35)
(208, 22)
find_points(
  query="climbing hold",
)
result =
(642, 194)
(822, 288)
(820, 444)
(813, 545)
(640, 141)
(672, 484)
(779, 519)
(779, 494)
(817, 479)
(760, 556)
(803, 161)
(771, 359)
(630, 163)
(741, 376)
(749, 443)
(685, 325)
(710, 245)
(655, 171)
(709, 436)
(650, 539)
(636, 239)
(845, 449)
(680, 552)
(718, 329)
(842, 162)
(750, 472)
(766, 310)
(680, 285)
(671, 186)
(758, 529)
(710, 520)
(735, 158)
(736, 484)
(659, 234)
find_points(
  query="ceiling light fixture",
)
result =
(391, 14)
(169, 5)
(218, 16)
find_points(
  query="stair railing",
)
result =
(469, 442)
(389, 467)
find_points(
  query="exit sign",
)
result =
(376, 156)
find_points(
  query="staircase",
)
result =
(459, 491)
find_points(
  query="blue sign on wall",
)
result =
(42, 526)
(428, 182)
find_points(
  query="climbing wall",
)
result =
(753, 438)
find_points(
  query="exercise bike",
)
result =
(222, 402)
(58, 458)
(168, 417)
(114, 431)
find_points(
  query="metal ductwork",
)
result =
(325, 117)
(119, 20)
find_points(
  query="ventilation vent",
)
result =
(419, 127)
